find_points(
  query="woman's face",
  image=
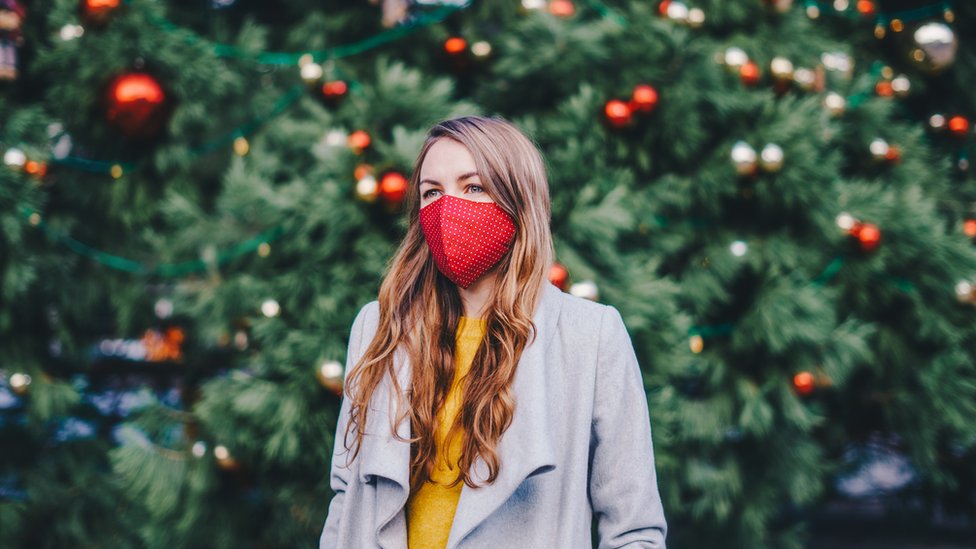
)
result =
(449, 168)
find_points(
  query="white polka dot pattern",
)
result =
(466, 237)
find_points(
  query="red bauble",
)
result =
(455, 45)
(749, 73)
(362, 171)
(959, 125)
(562, 8)
(359, 140)
(559, 276)
(969, 228)
(334, 90)
(868, 235)
(644, 99)
(865, 7)
(804, 383)
(136, 105)
(618, 113)
(393, 187)
(884, 89)
(894, 154)
(35, 168)
(98, 11)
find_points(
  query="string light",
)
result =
(293, 58)
(153, 269)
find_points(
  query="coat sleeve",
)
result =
(623, 482)
(339, 477)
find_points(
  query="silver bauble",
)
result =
(934, 47)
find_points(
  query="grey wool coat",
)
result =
(579, 446)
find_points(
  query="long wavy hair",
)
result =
(420, 308)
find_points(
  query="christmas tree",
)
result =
(776, 195)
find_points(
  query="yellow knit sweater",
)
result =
(430, 508)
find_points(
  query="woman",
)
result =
(484, 407)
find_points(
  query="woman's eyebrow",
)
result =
(460, 178)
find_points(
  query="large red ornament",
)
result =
(136, 105)
(618, 113)
(393, 187)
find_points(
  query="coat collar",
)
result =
(524, 449)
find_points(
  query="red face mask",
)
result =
(466, 237)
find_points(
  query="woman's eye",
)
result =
(476, 187)
(427, 194)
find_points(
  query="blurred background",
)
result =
(198, 196)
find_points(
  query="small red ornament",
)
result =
(884, 89)
(969, 228)
(35, 168)
(644, 99)
(804, 383)
(334, 90)
(868, 235)
(137, 105)
(618, 113)
(393, 187)
(455, 45)
(959, 125)
(562, 8)
(163, 346)
(358, 141)
(98, 11)
(662, 8)
(749, 73)
(362, 171)
(865, 7)
(894, 154)
(559, 276)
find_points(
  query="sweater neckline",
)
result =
(470, 321)
(471, 326)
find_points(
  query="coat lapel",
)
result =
(524, 449)
(388, 459)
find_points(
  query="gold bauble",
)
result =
(735, 57)
(330, 375)
(835, 103)
(771, 158)
(20, 383)
(743, 158)
(224, 460)
(781, 68)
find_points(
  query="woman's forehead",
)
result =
(447, 160)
